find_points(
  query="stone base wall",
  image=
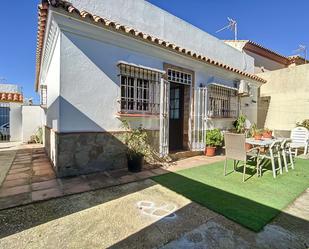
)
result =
(84, 153)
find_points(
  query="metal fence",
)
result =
(4, 122)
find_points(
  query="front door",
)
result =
(176, 117)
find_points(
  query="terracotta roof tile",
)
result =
(120, 28)
(11, 97)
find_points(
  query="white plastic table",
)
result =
(262, 142)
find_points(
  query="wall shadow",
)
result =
(249, 213)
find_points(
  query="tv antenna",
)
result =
(302, 49)
(232, 25)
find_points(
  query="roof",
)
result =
(268, 53)
(116, 27)
(261, 50)
(297, 59)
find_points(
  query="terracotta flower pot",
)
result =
(248, 146)
(267, 134)
(258, 136)
(210, 151)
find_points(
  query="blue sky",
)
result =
(277, 24)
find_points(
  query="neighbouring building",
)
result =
(265, 59)
(108, 61)
(11, 99)
(284, 100)
(19, 120)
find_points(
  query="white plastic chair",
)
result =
(287, 152)
(300, 139)
(272, 154)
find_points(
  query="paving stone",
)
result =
(44, 172)
(42, 167)
(75, 185)
(20, 165)
(16, 200)
(42, 178)
(45, 185)
(100, 180)
(159, 171)
(119, 173)
(46, 194)
(19, 170)
(17, 176)
(128, 178)
(4, 192)
(15, 182)
(144, 174)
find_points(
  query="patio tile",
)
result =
(119, 173)
(16, 200)
(20, 165)
(46, 194)
(42, 178)
(4, 192)
(144, 174)
(15, 182)
(128, 178)
(74, 185)
(44, 172)
(100, 180)
(19, 170)
(17, 176)
(45, 185)
(159, 171)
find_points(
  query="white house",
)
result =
(106, 61)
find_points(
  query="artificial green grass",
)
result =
(253, 203)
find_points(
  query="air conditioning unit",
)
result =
(243, 89)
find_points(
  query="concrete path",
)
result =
(142, 215)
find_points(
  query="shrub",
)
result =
(214, 138)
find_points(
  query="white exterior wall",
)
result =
(32, 119)
(152, 20)
(52, 80)
(89, 76)
(15, 122)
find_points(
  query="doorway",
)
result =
(176, 116)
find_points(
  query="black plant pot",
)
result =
(135, 162)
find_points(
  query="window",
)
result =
(179, 77)
(140, 89)
(43, 95)
(222, 101)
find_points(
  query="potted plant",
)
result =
(240, 126)
(214, 138)
(258, 134)
(138, 147)
(267, 133)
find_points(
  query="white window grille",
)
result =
(43, 95)
(222, 101)
(140, 89)
(179, 77)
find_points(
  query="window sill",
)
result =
(225, 118)
(137, 115)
